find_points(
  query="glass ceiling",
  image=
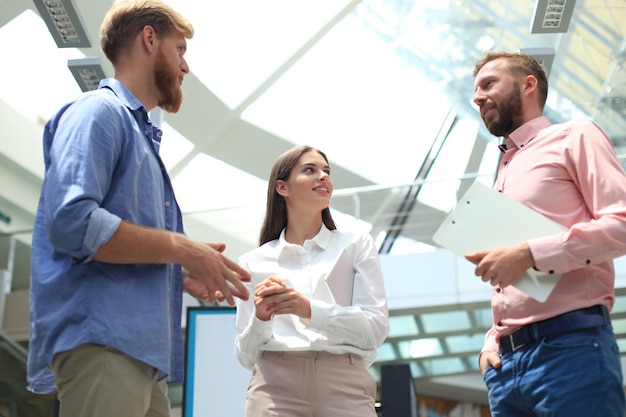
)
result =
(57, 85)
(372, 82)
(330, 97)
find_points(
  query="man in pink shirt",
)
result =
(558, 357)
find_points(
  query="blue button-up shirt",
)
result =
(101, 167)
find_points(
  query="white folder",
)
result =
(485, 218)
(340, 280)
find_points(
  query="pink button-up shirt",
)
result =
(568, 172)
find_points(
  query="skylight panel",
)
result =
(45, 93)
(207, 183)
(386, 353)
(174, 146)
(404, 325)
(445, 366)
(420, 348)
(245, 41)
(465, 343)
(446, 321)
(353, 93)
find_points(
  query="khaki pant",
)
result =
(98, 381)
(310, 384)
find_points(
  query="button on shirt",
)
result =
(102, 166)
(359, 327)
(568, 172)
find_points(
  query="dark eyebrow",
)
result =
(313, 164)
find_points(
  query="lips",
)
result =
(322, 189)
(486, 111)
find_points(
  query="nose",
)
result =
(324, 175)
(479, 97)
(184, 67)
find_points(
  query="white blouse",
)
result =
(323, 269)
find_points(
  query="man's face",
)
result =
(498, 96)
(169, 71)
(507, 115)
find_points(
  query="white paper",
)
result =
(340, 279)
(485, 219)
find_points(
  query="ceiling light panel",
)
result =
(545, 57)
(64, 23)
(552, 16)
(87, 71)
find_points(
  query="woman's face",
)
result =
(309, 184)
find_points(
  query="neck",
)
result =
(136, 73)
(300, 229)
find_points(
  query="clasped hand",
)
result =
(273, 296)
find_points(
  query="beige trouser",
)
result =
(310, 384)
(98, 381)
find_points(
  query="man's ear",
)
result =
(281, 188)
(530, 84)
(148, 37)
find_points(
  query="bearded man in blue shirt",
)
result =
(109, 252)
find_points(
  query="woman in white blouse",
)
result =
(319, 310)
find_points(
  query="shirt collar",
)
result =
(321, 239)
(122, 93)
(526, 132)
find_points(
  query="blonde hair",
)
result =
(126, 18)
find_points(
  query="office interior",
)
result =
(384, 87)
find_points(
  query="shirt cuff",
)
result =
(548, 255)
(320, 314)
(263, 329)
(102, 225)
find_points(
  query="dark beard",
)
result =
(509, 113)
(166, 80)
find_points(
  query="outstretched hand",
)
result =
(211, 276)
(194, 287)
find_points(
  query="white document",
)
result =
(340, 280)
(485, 219)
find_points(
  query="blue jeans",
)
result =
(575, 374)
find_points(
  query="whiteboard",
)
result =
(215, 382)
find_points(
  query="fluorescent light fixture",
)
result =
(552, 16)
(64, 23)
(87, 71)
(545, 57)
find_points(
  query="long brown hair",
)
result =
(276, 211)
